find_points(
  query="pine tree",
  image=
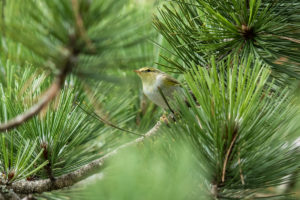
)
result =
(71, 107)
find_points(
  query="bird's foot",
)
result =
(164, 119)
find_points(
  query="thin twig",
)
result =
(29, 187)
(241, 172)
(52, 91)
(228, 154)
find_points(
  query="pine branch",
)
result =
(9, 195)
(49, 95)
(28, 187)
(54, 89)
(195, 30)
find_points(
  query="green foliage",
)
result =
(87, 34)
(52, 34)
(154, 170)
(239, 127)
(18, 162)
(234, 140)
(268, 30)
(62, 138)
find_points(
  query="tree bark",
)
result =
(39, 186)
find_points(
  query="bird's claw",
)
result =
(164, 119)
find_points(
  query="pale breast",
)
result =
(154, 95)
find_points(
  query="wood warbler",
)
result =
(156, 82)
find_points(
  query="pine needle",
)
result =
(96, 116)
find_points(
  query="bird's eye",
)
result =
(148, 70)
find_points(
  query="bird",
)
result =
(158, 86)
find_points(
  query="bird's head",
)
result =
(148, 74)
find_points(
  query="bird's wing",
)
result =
(168, 80)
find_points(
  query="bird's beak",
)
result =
(136, 71)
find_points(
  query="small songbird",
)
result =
(156, 82)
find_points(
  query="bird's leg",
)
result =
(166, 119)
(172, 116)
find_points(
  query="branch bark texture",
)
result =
(49, 95)
(54, 89)
(39, 186)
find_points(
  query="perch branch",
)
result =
(39, 186)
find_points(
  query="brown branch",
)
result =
(39, 186)
(52, 91)
(235, 133)
(10, 194)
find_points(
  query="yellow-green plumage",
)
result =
(153, 79)
(170, 81)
